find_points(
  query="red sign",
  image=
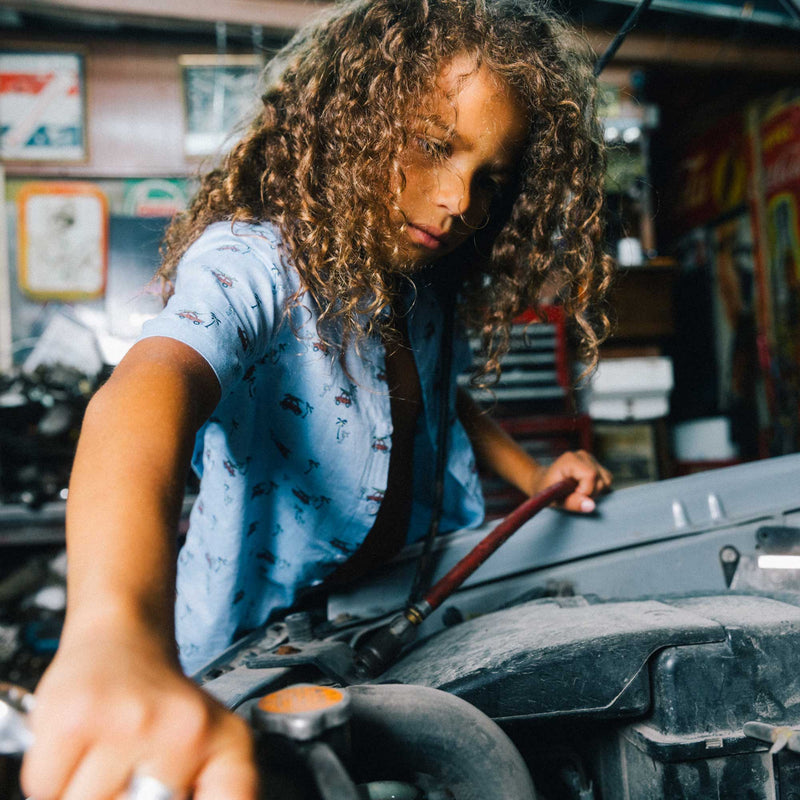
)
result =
(712, 176)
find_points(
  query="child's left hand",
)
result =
(592, 477)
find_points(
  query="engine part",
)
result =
(404, 731)
(729, 558)
(381, 742)
(381, 649)
(313, 719)
(302, 711)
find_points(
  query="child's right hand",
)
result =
(113, 705)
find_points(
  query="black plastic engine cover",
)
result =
(752, 675)
(557, 657)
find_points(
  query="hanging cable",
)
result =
(626, 28)
(422, 578)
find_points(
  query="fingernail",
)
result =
(587, 505)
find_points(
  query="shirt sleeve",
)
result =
(229, 294)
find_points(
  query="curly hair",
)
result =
(322, 161)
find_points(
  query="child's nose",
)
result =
(453, 192)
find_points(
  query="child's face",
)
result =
(456, 167)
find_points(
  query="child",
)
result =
(407, 152)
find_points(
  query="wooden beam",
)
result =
(650, 50)
(642, 49)
(280, 15)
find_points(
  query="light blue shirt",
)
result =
(294, 460)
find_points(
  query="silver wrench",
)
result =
(16, 737)
(15, 704)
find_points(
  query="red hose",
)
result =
(443, 588)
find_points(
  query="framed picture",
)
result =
(63, 241)
(219, 92)
(42, 106)
(631, 450)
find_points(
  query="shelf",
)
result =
(641, 300)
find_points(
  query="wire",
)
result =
(792, 8)
(616, 42)
(424, 572)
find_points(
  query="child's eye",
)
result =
(434, 148)
(495, 185)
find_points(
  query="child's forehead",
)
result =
(456, 69)
(464, 73)
(458, 82)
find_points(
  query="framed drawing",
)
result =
(42, 106)
(63, 241)
(218, 93)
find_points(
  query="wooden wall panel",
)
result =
(278, 15)
(134, 112)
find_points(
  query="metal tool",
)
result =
(15, 704)
(382, 647)
(16, 737)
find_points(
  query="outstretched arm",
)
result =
(497, 451)
(114, 701)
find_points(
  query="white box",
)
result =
(630, 389)
(707, 439)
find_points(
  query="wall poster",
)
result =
(218, 93)
(42, 106)
(63, 240)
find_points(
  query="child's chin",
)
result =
(412, 267)
(406, 264)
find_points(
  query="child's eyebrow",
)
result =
(504, 167)
(435, 121)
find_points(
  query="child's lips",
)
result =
(431, 238)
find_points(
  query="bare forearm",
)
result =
(496, 450)
(115, 701)
(119, 533)
(125, 497)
